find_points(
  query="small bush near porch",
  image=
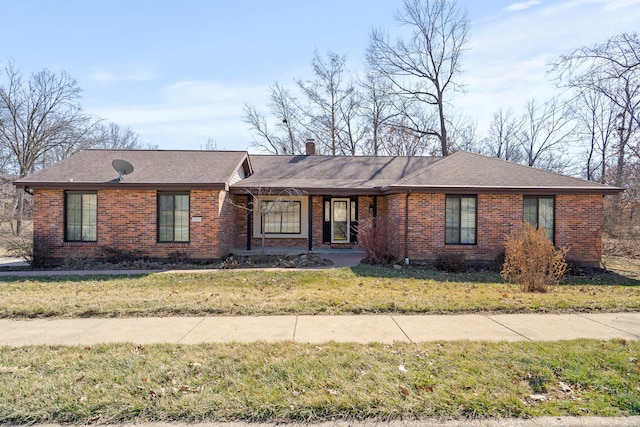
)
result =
(378, 238)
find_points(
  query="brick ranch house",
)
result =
(195, 202)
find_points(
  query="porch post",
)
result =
(310, 219)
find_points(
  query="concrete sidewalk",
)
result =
(319, 329)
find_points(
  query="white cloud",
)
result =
(514, 7)
(507, 63)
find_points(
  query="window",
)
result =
(460, 220)
(281, 216)
(81, 217)
(173, 217)
(539, 212)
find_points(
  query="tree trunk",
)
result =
(19, 210)
(443, 127)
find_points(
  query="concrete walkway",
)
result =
(319, 329)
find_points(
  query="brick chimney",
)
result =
(311, 147)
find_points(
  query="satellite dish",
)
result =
(122, 167)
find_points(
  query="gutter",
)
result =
(119, 186)
(465, 189)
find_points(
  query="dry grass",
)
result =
(364, 289)
(296, 382)
(623, 266)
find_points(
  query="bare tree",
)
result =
(284, 137)
(423, 66)
(400, 141)
(326, 96)
(282, 104)
(502, 141)
(355, 129)
(114, 137)
(545, 134)
(257, 122)
(597, 124)
(378, 108)
(462, 136)
(611, 68)
(102, 135)
(37, 116)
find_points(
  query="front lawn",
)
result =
(296, 382)
(363, 289)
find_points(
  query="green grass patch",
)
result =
(298, 382)
(364, 289)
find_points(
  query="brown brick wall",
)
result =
(127, 222)
(578, 225)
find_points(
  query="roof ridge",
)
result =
(162, 150)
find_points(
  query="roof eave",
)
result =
(466, 189)
(120, 186)
(312, 191)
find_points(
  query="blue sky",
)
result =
(179, 72)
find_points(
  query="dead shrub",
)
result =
(531, 260)
(34, 251)
(178, 257)
(378, 238)
(114, 255)
(451, 262)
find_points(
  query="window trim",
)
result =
(280, 233)
(537, 224)
(173, 194)
(66, 216)
(459, 228)
(304, 222)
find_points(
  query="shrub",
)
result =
(497, 263)
(532, 261)
(117, 256)
(377, 237)
(451, 262)
(34, 251)
(178, 257)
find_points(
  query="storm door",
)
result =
(340, 222)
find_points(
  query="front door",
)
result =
(340, 224)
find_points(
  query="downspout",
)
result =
(375, 206)
(249, 220)
(310, 219)
(406, 228)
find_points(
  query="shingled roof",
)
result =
(152, 168)
(461, 172)
(335, 174)
(469, 172)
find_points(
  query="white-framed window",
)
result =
(280, 217)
